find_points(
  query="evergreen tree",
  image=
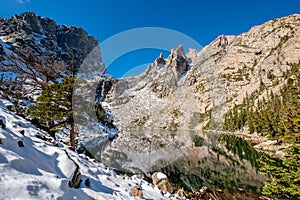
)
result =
(54, 107)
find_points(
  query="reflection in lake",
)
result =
(191, 159)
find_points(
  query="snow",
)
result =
(6, 47)
(106, 105)
(161, 176)
(40, 170)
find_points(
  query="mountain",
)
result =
(195, 90)
(36, 52)
(42, 35)
(182, 91)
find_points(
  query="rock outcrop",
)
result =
(160, 60)
(170, 72)
(104, 88)
(42, 35)
(136, 191)
(178, 61)
(160, 180)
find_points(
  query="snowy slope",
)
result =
(40, 170)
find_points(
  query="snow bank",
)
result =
(40, 170)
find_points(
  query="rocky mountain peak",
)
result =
(42, 34)
(160, 60)
(179, 52)
(192, 55)
(30, 22)
(177, 61)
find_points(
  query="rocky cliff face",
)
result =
(194, 90)
(42, 35)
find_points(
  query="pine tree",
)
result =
(54, 107)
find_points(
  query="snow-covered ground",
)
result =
(40, 170)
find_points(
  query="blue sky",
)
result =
(201, 20)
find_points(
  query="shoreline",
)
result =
(262, 143)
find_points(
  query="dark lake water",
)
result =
(190, 159)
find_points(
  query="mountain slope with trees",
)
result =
(277, 117)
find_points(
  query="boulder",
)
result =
(160, 180)
(279, 154)
(136, 191)
(87, 182)
(2, 124)
(180, 194)
(158, 177)
(22, 132)
(20, 143)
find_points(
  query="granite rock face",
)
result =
(42, 35)
(177, 61)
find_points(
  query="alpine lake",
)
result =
(225, 164)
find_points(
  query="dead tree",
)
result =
(36, 71)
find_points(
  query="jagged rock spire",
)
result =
(160, 60)
(179, 51)
(177, 60)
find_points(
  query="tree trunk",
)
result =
(72, 135)
(49, 125)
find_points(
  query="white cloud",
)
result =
(23, 1)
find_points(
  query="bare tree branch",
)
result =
(33, 71)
